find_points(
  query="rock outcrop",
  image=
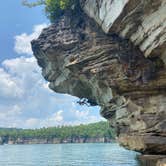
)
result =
(55, 140)
(141, 21)
(152, 160)
(120, 68)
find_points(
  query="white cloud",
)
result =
(80, 114)
(15, 110)
(9, 112)
(21, 65)
(9, 85)
(46, 86)
(31, 123)
(22, 42)
(25, 99)
(54, 120)
(83, 117)
(18, 76)
(57, 117)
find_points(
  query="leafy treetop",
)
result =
(94, 130)
(54, 8)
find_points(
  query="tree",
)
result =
(94, 130)
(54, 8)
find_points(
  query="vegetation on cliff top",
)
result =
(54, 8)
(94, 130)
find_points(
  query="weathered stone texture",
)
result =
(141, 21)
(78, 58)
(152, 160)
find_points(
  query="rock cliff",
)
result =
(113, 54)
(55, 140)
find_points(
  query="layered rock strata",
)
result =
(121, 69)
(141, 21)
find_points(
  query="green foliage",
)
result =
(33, 4)
(54, 8)
(94, 130)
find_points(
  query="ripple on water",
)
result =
(110, 154)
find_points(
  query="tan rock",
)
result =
(161, 162)
(152, 160)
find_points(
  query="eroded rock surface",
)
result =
(141, 21)
(78, 58)
(152, 160)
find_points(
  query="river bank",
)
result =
(12, 141)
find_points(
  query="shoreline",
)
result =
(21, 141)
(61, 143)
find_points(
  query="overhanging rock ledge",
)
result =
(114, 55)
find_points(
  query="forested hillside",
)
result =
(99, 132)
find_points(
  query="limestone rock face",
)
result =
(78, 58)
(141, 21)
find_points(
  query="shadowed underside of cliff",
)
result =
(113, 54)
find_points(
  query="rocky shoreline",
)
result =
(11, 141)
(152, 160)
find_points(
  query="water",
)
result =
(66, 155)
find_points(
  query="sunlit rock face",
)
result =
(141, 21)
(78, 58)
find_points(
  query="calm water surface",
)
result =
(66, 155)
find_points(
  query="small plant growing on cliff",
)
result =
(54, 8)
(87, 102)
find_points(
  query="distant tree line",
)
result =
(94, 130)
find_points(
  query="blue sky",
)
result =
(25, 99)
